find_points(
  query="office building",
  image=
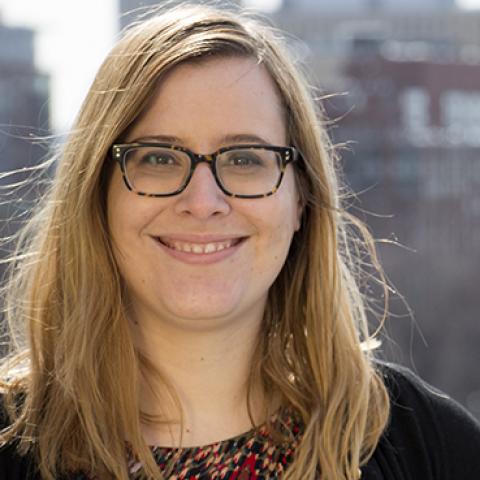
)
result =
(24, 99)
(24, 117)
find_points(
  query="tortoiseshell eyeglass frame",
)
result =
(287, 155)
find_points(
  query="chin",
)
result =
(201, 308)
(207, 315)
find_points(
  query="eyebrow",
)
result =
(227, 139)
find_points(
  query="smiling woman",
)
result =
(189, 286)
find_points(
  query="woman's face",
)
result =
(167, 249)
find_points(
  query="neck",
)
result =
(209, 371)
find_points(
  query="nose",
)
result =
(202, 198)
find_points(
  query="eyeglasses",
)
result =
(163, 170)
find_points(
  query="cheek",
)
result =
(127, 212)
(278, 224)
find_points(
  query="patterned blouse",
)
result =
(253, 455)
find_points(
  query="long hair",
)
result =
(75, 406)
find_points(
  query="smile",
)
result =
(199, 248)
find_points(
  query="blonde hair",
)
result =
(75, 412)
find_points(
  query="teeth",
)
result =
(209, 248)
(183, 248)
(199, 248)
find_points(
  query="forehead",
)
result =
(230, 93)
(231, 73)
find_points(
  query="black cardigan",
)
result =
(429, 437)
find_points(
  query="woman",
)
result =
(189, 290)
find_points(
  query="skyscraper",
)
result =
(24, 92)
(24, 115)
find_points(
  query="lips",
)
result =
(199, 248)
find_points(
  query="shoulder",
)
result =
(430, 434)
(413, 397)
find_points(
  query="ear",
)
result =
(300, 208)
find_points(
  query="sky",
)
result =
(72, 39)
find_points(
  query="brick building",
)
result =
(414, 119)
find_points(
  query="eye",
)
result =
(244, 159)
(158, 159)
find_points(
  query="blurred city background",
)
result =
(402, 81)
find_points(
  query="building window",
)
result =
(415, 111)
(461, 116)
